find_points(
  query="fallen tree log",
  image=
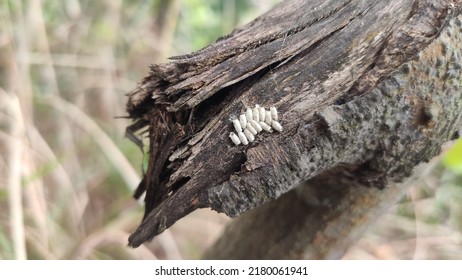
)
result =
(366, 90)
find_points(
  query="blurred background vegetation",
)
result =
(66, 171)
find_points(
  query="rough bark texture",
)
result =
(366, 90)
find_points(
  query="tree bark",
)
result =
(367, 90)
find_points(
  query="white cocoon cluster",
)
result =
(253, 121)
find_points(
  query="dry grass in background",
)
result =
(67, 173)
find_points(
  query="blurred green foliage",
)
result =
(453, 158)
(201, 24)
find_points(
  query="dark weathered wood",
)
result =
(328, 68)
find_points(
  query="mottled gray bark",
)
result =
(366, 90)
